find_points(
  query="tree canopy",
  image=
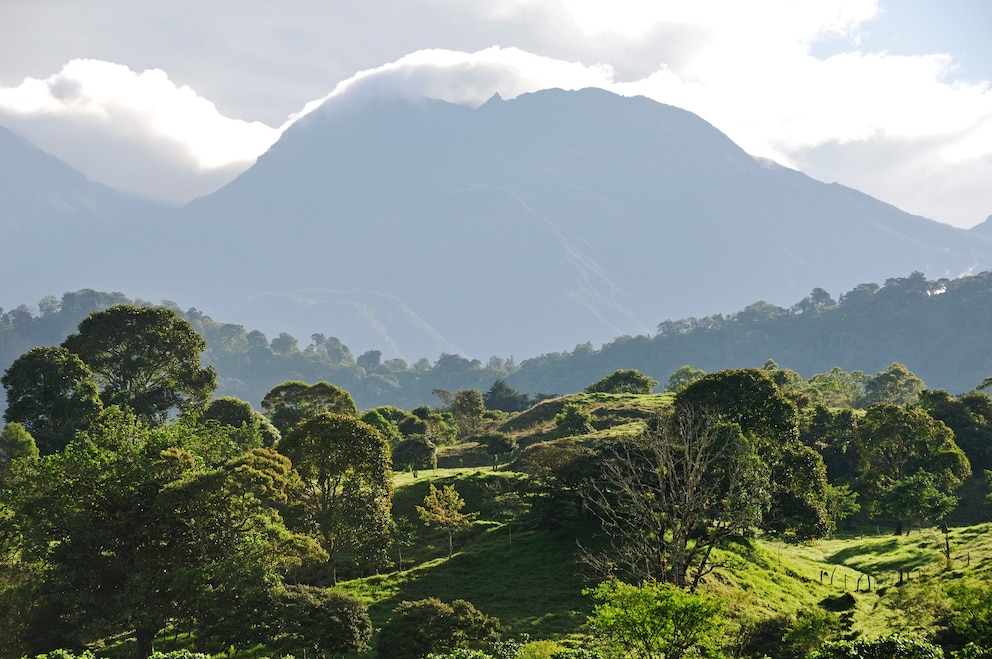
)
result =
(53, 394)
(344, 464)
(146, 359)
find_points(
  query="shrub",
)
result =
(429, 626)
(889, 647)
(323, 619)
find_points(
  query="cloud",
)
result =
(758, 71)
(137, 132)
(465, 78)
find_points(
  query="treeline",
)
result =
(939, 329)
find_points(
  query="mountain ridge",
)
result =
(606, 185)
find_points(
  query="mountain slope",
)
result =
(60, 231)
(519, 227)
(529, 225)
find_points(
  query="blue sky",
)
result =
(170, 99)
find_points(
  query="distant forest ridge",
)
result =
(939, 329)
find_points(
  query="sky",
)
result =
(172, 99)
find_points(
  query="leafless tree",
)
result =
(666, 499)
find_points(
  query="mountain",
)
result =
(59, 230)
(519, 227)
(533, 224)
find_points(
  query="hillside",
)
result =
(532, 580)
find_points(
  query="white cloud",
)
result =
(466, 78)
(137, 132)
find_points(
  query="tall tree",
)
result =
(750, 398)
(293, 401)
(893, 444)
(970, 417)
(896, 385)
(682, 377)
(53, 394)
(345, 467)
(468, 409)
(503, 397)
(669, 498)
(236, 413)
(146, 359)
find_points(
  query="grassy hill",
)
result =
(531, 577)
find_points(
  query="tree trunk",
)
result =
(145, 642)
(898, 527)
(450, 546)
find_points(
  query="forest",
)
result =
(937, 328)
(744, 512)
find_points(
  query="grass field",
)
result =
(532, 580)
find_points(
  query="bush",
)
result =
(572, 421)
(429, 625)
(323, 619)
(889, 647)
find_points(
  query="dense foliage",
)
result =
(937, 328)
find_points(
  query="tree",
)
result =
(497, 444)
(653, 621)
(572, 421)
(387, 426)
(417, 453)
(502, 396)
(369, 360)
(837, 388)
(893, 444)
(971, 611)
(890, 647)
(344, 464)
(236, 413)
(420, 627)
(842, 502)
(916, 498)
(131, 526)
(468, 408)
(970, 417)
(668, 499)
(896, 385)
(770, 421)
(442, 508)
(16, 443)
(53, 394)
(623, 381)
(293, 401)
(748, 397)
(146, 359)
(683, 377)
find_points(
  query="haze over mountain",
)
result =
(57, 228)
(520, 227)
